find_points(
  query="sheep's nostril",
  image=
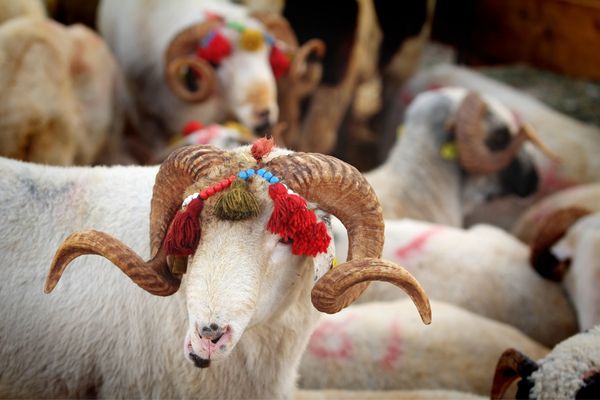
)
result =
(213, 332)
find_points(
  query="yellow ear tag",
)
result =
(334, 263)
(251, 40)
(242, 129)
(449, 151)
(399, 131)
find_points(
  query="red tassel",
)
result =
(215, 50)
(280, 62)
(184, 232)
(192, 127)
(286, 206)
(261, 148)
(312, 240)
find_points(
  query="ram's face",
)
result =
(249, 88)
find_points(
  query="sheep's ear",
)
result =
(554, 227)
(511, 366)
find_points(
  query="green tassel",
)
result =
(237, 203)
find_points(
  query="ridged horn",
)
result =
(551, 231)
(305, 73)
(152, 276)
(340, 189)
(181, 54)
(474, 155)
(180, 170)
(511, 366)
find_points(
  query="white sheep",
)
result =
(452, 156)
(59, 99)
(245, 304)
(575, 142)
(16, 8)
(482, 269)
(570, 371)
(567, 249)
(583, 196)
(381, 346)
(384, 395)
(199, 60)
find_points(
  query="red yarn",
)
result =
(280, 62)
(215, 50)
(261, 148)
(192, 127)
(184, 232)
(291, 220)
(312, 240)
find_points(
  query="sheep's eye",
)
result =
(288, 241)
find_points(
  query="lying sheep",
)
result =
(584, 196)
(381, 346)
(245, 291)
(383, 395)
(570, 371)
(58, 102)
(204, 60)
(482, 269)
(453, 155)
(567, 250)
(577, 143)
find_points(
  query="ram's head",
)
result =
(249, 241)
(239, 62)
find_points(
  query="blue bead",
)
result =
(268, 175)
(243, 175)
(250, 172)
(274, 180)
(261, 172)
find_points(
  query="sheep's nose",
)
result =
(212, 332)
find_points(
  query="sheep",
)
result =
(576, 142)
(566, 250)
(16, 8)
(424, 178)
(570, 371)
(584, 196)
(482, 269)
(380, 346)
(203, 60)
(243, 289)
(59, 102)
(384, 395)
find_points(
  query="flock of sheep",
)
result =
(506, 307)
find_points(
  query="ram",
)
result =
(246, 272)
(457, 150)
(58, 94)
(570, 371)
(482, 269)
(380, 346)
(202, 60)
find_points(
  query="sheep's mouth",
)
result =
(198, 361)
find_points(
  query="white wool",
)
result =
(560, 373)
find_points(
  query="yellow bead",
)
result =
(251, 40)
(449, 152)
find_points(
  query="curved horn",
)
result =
(511, 366)
(180, 54)
(550, 232)
(152, 276)
(474, 155)
(534, 138)
(180, 170)
(342, 190)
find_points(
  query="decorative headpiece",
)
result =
(215, 46)
(291, 219)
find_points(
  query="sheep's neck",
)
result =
(416, 182)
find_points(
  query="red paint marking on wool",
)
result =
(320, 342)
(552, 181)
(417, 244)
(394, 349)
